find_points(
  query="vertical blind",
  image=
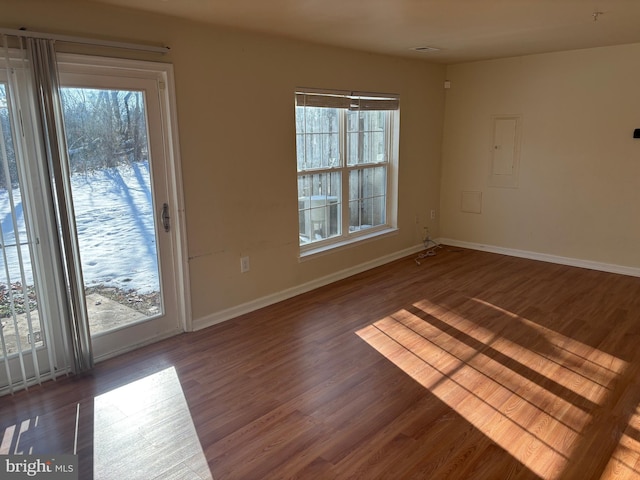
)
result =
(18, 325)
(27, 346)
(20, 332)
(46, 87)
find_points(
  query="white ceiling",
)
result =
(463, 30)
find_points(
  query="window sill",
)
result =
(344, 244)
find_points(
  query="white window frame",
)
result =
(368, 100)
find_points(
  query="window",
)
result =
(347, 148)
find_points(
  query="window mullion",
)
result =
(344, 173)
(389, 162)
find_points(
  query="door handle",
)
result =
(166, 219)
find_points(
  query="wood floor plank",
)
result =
(469, 366)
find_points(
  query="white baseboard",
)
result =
(572, 262)
(265, 301)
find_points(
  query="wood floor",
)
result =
(469, 366)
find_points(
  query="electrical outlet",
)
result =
(433, 214)
(244, 264)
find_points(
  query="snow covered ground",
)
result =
(115, 224)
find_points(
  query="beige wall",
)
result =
(579, 181)
(236, 118)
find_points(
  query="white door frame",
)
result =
(162, 73)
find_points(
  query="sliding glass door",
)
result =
(120, 183)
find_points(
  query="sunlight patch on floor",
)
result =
(625, 460)
(144, 430)
(533, 401)
(594, 364)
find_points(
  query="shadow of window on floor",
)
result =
(531, 390)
